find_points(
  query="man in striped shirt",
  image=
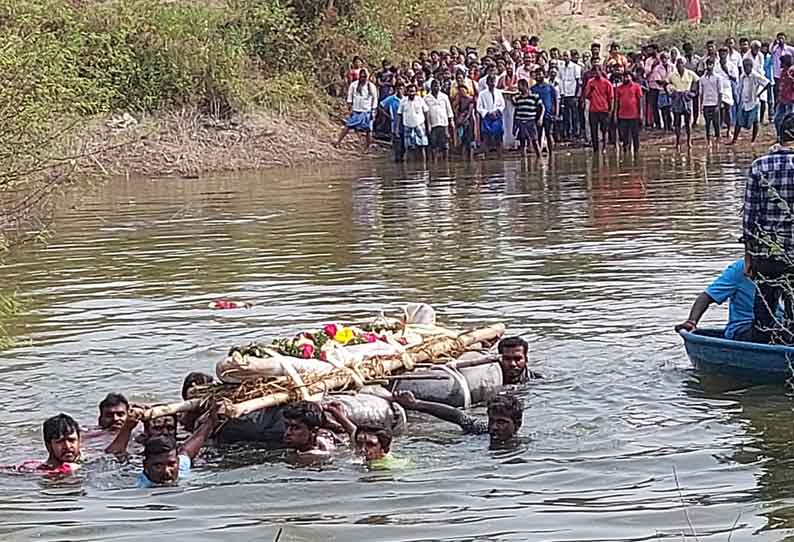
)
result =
(528, 109)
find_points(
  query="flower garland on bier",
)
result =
(318, 344)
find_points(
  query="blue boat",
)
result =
(709, 351)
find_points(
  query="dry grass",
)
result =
(185, 143)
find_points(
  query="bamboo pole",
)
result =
(419, 354)
(370, 369)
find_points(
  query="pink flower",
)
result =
(323, 355)
(370, 337)
(306, 351)
(330, 330)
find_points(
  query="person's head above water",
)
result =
(302, 420)
(62, 440)
(195, 379)
(161, 459)
(505, 415)
(372, 442)
(514, 353)
(164, 426)
(113, 411)
(192, 380)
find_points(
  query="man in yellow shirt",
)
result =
(679, 85)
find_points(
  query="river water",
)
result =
(592, 263)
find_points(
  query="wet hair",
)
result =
(513, 342)
(59, 426)
(787, 129)
(534, 40)
(710, 43)
(147, 423)
(306, 412)
(507, 405)
(786, 60)
(158, 446)
(195, 379)
(383, 434)
(113, 399)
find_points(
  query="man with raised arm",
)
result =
(505, 415)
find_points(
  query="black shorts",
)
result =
(439, 138)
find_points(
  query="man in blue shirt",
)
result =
(734, 285)
(164, 461)
(548, 96)
(391, 105)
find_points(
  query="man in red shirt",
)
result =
(600, 93)
(628, 97)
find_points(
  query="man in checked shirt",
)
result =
(768, 228)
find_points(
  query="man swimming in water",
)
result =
(165, 462)
(505, 416)
(113, 412)
(371, 442)
(514, 353)
(62, 440)
(303, 423)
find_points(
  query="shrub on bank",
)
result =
(147, 55)
(718, 30)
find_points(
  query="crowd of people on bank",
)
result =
(522, 96)
(310, 430)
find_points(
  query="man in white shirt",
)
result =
(490, 107)
(757, 56)
(734, 56)
(570, 77)
(527, 70)
(751, 84)
(730, 74)
(439, 118)
(710, 87)
(362, 97)
(412, 115)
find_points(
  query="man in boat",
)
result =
(735, 286)
(113, 412)
(514, 352)
(62, 440)
(768, 234)
(303, 429)
(505, 415)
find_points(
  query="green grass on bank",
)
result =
(148, 55)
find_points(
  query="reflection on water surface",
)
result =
(593, 263)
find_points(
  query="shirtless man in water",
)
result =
(303, 430)
(113, 412)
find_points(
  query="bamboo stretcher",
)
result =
(247, 397)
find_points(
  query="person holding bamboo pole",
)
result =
(164, 461)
